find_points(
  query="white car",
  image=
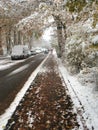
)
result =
(20, 52)
(36, 50)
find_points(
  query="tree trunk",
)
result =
(96, 81)
(8, 41)
(64, 38)
(64, 30)
(1, 50)
(19, 37)
(15, 37)
(60, 35)
(60, 39)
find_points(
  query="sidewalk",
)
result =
(47, 104)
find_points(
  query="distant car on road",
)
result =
(46, 51)
(36, 50)
(20, 52)
(33, 52)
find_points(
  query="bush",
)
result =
(74, 56)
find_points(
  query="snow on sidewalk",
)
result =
(86, 95)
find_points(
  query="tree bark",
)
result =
(19, 37)
(15, 37)
(8, 41)
(60, 35)
(64, 38)
(1, 50)
(64, 30)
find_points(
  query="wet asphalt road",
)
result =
(13, 79)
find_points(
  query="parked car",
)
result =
(35, 51)
(46, 51)
(20, 52)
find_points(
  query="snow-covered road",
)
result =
(7, 63)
